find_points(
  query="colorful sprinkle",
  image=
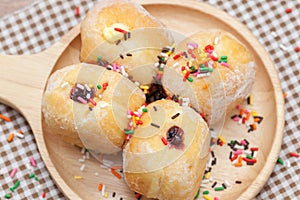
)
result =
(207, 175)
(117, 167)
(190, 79)
(100, 187)
(205, 86)
(244, 116)
(224, 58)
(10, 137)
(116, 174)
(249, 160)
(81, 100)
(224, 186)
(99, 87)
(227, 183)
(216, 41)
(155, 125)
(99, 59)
(64, 85)
(206, 197)
(164, 140)
(7, 119)
(294, 154)
(219, 188)
(241, 152)
(283, 47)
(250, 99)
(103, 190)
(288, 10)
(197, 195)
(254, 149)
(32, 161)
(258, 119)
(214, 184)
(129, 132)
(177, 56)
(17, 184)
(120, 30)
(280, 161)
(238, 152)
(106, 194)
(77, 13)
(137, 196)
(82, 167)
(20, 135)
(274, 34)
(206, 192)
(222, 139)
(175, 116)
(284, 95)
(105, 85)
(31, 175)
(13, 172)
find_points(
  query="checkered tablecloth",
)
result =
(40, 25)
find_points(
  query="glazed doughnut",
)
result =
(123, 32)
(214, 70)
(166, 156)
(87, 105)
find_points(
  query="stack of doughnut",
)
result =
(154, 104)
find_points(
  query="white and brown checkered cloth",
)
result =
(40, 25)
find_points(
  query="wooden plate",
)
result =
(23, 78)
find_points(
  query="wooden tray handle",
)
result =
(23, 77)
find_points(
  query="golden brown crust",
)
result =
(165, 172)
(101, 129)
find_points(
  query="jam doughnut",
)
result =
(87, 104)
(166, 156)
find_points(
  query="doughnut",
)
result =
(166, 156)
(87, 105)
(213, 70)
(151, 100)
(125, 33)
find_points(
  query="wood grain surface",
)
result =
(9, 6)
